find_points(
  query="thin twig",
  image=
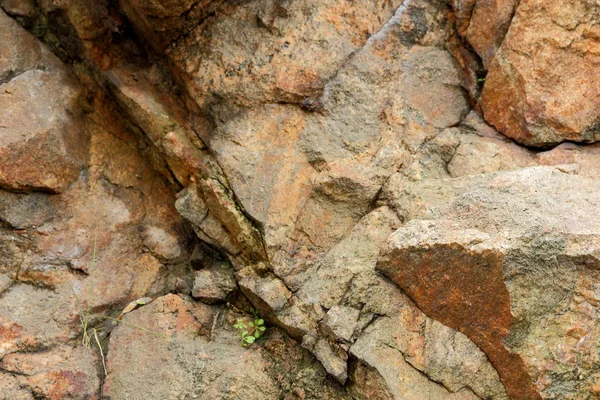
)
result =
(214, 326)
(86, 339)
(101, 352)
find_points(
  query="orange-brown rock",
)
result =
(465, 290)
(483, 24)
(541, 88)
(43, 145)
(285, 141)
(463, 10)
(291, 49)
(57, 374)
(488, 25)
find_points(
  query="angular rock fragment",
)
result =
(23, 211)
(26, 322)
(413, 384)
(275, 301)
(332, 356)
(214, 285)
(366, 383)
(163, 244)
(484, 23)
(60, 373)
(20, 52)
(340, 322)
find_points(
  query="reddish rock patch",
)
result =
(464, 290)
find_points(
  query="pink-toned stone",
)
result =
(60, 373)
(20, 51)
(488, 25)
(483, 24)
(43, 145)
(291, 49)
(587, 158)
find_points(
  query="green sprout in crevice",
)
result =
(250, 331)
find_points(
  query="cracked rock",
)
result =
(340, 322)
(215, 284)
(332, 356)
(43, 145)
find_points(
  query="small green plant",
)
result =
(252, 330)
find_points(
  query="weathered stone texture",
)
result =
(353, 173)
(540, 88)
(484, 254)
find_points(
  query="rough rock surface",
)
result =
(351, 173)
(164, 21)
(483, 24)
(42, 142)
(197, 352)
(540, 89)
(489, 262)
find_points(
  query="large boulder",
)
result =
(510, 260)
(541, 88)
(43, 145)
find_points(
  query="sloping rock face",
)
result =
(353, 175)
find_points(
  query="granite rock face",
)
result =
(195, 350)
(540, 88)
(503, 268)
(353, 174)
(483, 24)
